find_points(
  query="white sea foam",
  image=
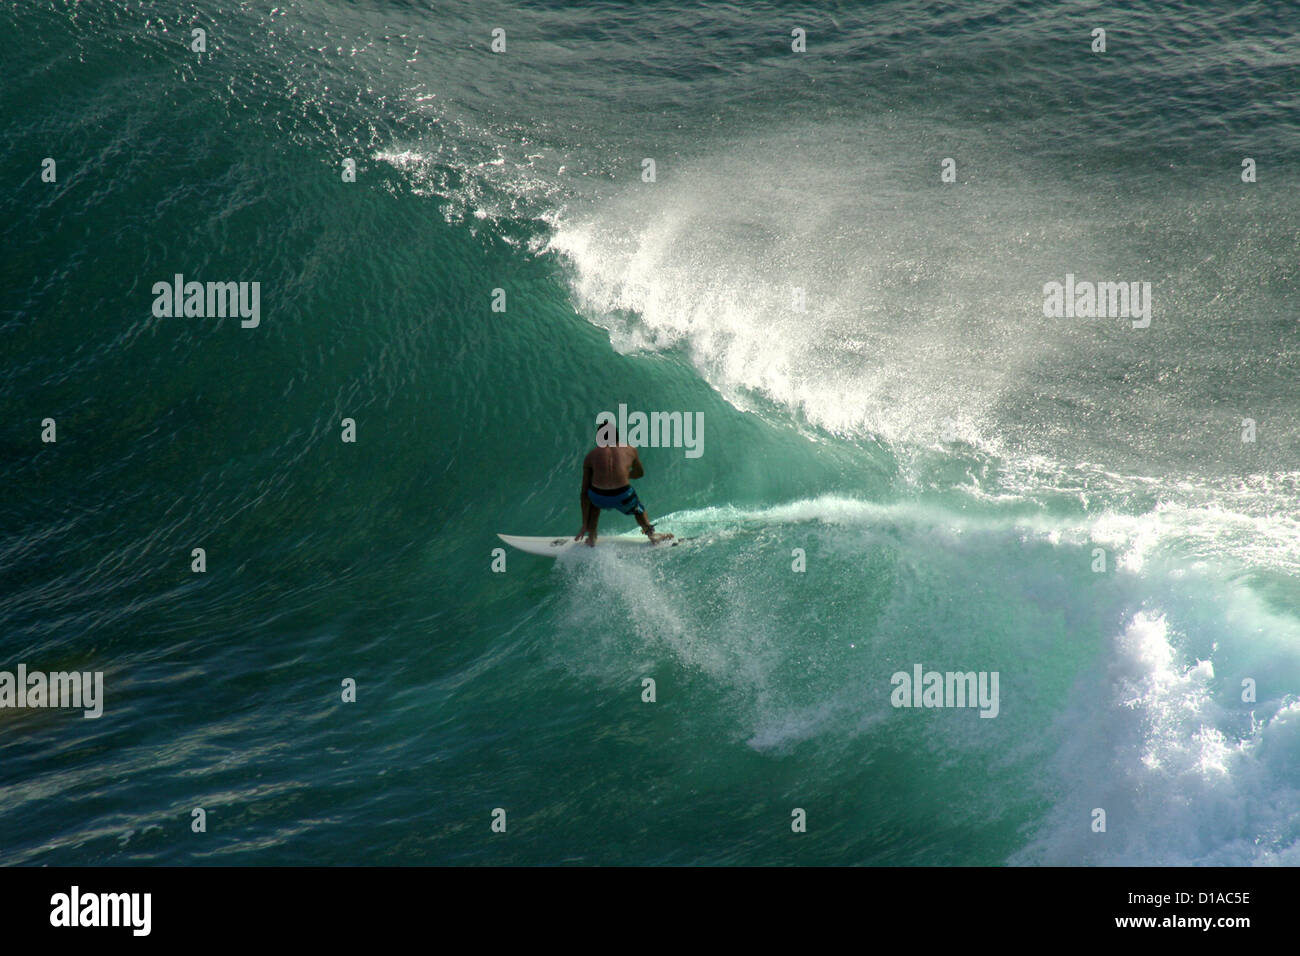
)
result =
(1185, 771)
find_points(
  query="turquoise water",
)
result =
(947, 459)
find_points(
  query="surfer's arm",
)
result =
(636, 471)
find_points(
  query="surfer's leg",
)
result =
(648, 529)
(631, 505)
(587, 509)
(592, 521)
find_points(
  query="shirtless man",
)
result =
(605, 474)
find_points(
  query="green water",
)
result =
(917, 468)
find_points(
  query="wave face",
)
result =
(904, 461)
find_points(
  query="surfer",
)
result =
(606, 473)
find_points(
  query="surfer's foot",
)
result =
(656, 538)
(591, 540)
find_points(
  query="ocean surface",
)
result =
(969, 486)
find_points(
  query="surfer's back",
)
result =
(610, 465)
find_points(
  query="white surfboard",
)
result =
(553, 547)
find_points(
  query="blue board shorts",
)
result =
(620, 499)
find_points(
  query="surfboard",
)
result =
(553, 547)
